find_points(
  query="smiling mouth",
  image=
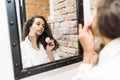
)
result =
(40, 31)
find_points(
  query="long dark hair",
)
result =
(41, 39)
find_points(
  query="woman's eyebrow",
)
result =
(40, 23)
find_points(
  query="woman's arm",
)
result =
(50, 55)
(50, 46)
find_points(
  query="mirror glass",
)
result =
(62, 20)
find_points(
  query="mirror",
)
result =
(61, 16)
(63, 19)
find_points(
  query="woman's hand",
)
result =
(32, 37)
(32, 34)
(86, 39)
(50, 46)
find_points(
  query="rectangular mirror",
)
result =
(62, 16)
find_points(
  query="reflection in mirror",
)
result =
(61, 18)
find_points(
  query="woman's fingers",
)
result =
(80, 28)
(90, 32)
(85, 28)
(51, 43)
(32, 31)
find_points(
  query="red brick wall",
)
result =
(37, 7)
(65, 27)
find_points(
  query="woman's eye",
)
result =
(43, 25)
(38, 24)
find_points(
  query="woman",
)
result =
(35, 50)
(103, 65)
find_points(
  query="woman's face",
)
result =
(38, 26)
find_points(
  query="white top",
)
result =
(32, 57)
(108, 67)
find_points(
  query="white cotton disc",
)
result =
(47, 39)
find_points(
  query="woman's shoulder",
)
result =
(25, 42)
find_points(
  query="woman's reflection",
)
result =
(35, 49)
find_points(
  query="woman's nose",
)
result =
(41, 26)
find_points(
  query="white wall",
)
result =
(6, 68)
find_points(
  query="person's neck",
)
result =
(106, 40)
(35, 47)
(34, 43)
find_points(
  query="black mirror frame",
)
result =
(15, 44)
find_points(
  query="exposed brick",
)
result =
(55, 2)
(59, 6)
(56, 25)
(64, 24)
(71, 31)
(56, 36)
(65, 37)
(73, 38)
(67, 31)
(29, 1)
(62, 5)
(70, 2)
(59, 18)
(37, 7)
(68, 24)
(62, 11)
(71, 16)
(69, 50)
(60, 1)
(70, 9)
(72, 44)
(63, 43)
(57, 31)
(41, 1)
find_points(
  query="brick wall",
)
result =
(65, 27)
(37, 7)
